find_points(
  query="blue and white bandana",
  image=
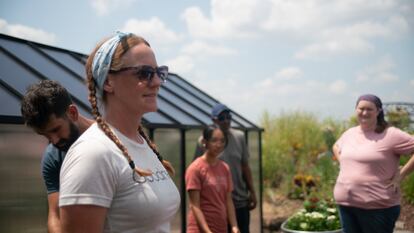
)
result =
(102, 61)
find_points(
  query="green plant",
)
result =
(298, 143)
(407, 185)
(317, 215)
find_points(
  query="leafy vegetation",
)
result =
(317, 215)
(297, 156)
(297, 144)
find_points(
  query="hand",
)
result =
(252, 201)
(235, 229)
(395, 181)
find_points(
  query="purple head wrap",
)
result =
(375, 100)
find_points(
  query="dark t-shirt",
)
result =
(51, 163)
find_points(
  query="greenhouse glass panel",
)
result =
(176, 114)
(24, 199)
(10, 104)
(202, 116)
(15, 74)
(186, 95)
(189, 88)
(253, 145)
(156, 117)
(68, 61)
(48, 69)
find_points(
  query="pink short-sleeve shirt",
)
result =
(368, 161)
(213, 182)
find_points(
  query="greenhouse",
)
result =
(183, 111)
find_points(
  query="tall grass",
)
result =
(297, 143)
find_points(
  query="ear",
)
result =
(109, 84)
(73, 112)
(204, 143)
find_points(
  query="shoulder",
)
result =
(224, 165)
(93, 147)
(238, 134)
(350, 132)
(196, 164)
(397, 133)
(52, 155)
(51, 151)
(392, 130)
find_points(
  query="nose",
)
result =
(364, 112)
(156, 80)
(53, 138)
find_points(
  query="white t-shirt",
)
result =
(95, 172)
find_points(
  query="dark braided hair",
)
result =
(116, 63)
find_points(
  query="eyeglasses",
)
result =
(223, 117)
(146, 73)
(217, 141)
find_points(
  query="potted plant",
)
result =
(316, 216)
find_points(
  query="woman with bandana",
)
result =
(113, 178)
(367, 189)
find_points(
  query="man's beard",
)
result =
(64, 144)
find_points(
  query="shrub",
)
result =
(297, 143)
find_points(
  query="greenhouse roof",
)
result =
(23, 62)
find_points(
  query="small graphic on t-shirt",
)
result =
(157, 176)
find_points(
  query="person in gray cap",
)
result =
(236, 155)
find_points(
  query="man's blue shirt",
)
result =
(51, 163)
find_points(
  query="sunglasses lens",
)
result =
(145, 74)
(162, 72)
(224, 117)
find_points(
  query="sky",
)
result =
(277, 56)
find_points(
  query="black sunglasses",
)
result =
(224, 116)
(146, 73)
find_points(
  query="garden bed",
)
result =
(278, 209)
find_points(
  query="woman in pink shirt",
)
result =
(209, 187)
(367, 188)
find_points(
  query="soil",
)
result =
(278, 208)
(406, 219)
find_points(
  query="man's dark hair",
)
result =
(42, 100)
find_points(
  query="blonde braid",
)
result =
(104, 126)
(167, 165)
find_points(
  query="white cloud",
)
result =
(289, 73)
(328, 27)
(356, 38)
(293, 16)
(153, 30)
(199, 47)
(181, 65)
(228, 19)
(412, 82)
(28, 33)
(380, 72)
(280, 80)
(103, 7)
(338, 87)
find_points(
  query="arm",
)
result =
(53, 221)
(247, 174)
(408, 168)
(231, 213)
(198, 214)
(82, 218)
(335, 150)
